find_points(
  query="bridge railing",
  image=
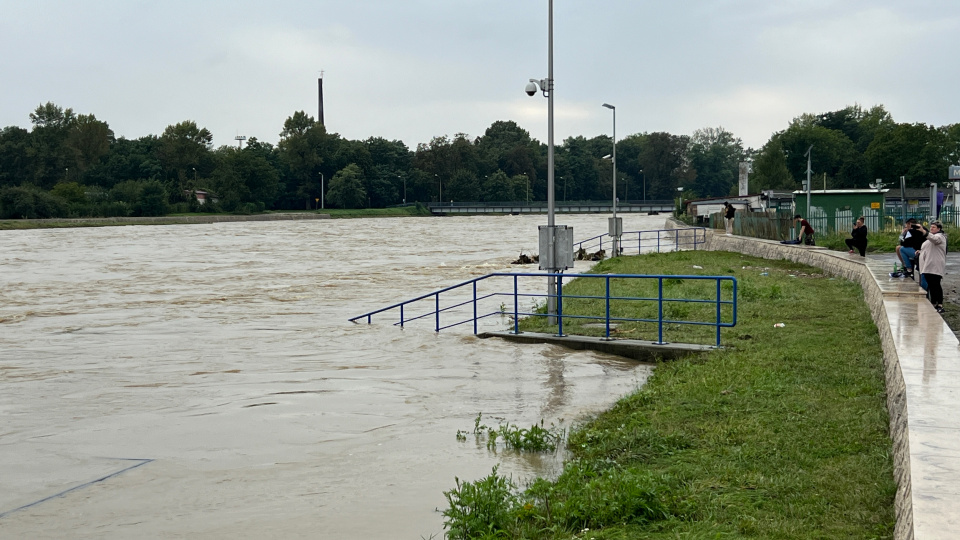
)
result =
(648, 241)
(540, 204)
(671, 303)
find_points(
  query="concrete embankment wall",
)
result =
(854, 269)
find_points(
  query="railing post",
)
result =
(437, 304)
(608, 306)
(401, 315)
(718, 312)
(516, 307)
(474, 307)
(560, 305)
(660, 312)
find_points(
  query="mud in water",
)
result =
(213, 368)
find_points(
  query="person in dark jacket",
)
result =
(859, 237)
(806, 231)
(912, 242)
(728, 215)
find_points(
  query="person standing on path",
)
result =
(728, 215)
(806, 231)
(933, 263)
(859, 239)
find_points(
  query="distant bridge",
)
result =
(540, 207)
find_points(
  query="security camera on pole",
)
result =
(616, 224)
(556, 241)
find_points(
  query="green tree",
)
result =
(47, 152)
(346, 188)
(917, 151)
(301, 146)
(14, 162)
(152, 200)
(665, 164)
(715, 155)
(245, 177)
(182, 150)
(88, 140)
(770, 167)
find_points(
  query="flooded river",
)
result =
(213, 368)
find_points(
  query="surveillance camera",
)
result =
(531, 88)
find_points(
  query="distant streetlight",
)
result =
(680, 190)
(440, 197)
(404, 188)
(321, 192)
(644, 176)
(615, 224)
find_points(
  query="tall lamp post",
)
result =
(404, 188)
(644, 177)
(615, 228)
(546, 86)
(680, 191)
(321, 192)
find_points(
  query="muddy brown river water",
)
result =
(202, 381)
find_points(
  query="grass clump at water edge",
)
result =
(781, 434)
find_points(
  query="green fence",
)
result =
(770, 225)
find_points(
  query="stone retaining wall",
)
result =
(856, 271)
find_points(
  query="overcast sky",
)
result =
(415, 69)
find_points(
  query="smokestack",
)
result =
(320, 88)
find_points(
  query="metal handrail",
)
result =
(538, 204)
(690, 237)
(608, 299)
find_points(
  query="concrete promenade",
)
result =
(922, 370)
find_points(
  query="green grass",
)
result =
(781, 434)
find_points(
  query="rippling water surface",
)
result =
(223, 354)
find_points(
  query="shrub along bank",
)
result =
(781, 434)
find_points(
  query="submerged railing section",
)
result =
(635, 242)
(629, 304)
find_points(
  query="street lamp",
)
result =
(644, 176)
(615, 228)
(404, 188)
(680, 190)
(546, 86)
(321, 192)
(440, 197)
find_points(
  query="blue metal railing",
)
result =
(654, 240)
(471, 303)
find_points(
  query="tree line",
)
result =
(72, 165)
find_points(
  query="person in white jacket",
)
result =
(933, 263)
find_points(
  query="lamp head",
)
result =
(609, 106)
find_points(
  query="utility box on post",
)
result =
(560, 237)
(615, 226)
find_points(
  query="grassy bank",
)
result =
(782, 434)
(187, 219)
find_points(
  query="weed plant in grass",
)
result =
(538, 438)
(783, 433)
